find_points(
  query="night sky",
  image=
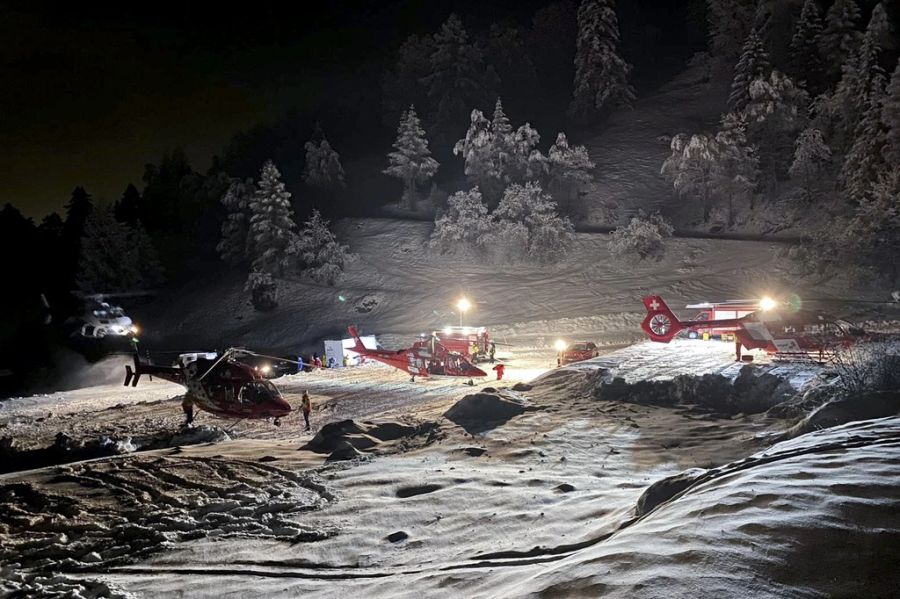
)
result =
(90, 92)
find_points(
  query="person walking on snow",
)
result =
(493, 351)
(499, 369)
(317, 360)
(306, 407)
(299, 364)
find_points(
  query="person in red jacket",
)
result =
(499, 369)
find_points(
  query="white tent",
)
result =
(337, 349)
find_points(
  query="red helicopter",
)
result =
(426, 358)
(221, 385)
(786, 333)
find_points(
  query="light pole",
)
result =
(463, 306)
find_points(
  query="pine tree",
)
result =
(811, 158)
(879, 29)
(411, 160)
(507, 52)
(526, 162)
(402, 84)
(736, 166)
(601, 75)
(890, 119)
(458, 76)
(477, 150)
(529, 216)
(569, 170)
(776, 113)
(232, 247)
(754, 63)
(643, 238)
(729, 24)
(272, 226)
(864, 160)
(502, 141)
(320, 254)
(464, 226)
(323, 166)
(115, 257)
(805, 55)
(128, 208)
(840, 39)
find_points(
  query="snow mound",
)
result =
(57, 525)
(346, 439)
(751, 392)
(20, 584)
(844, 409)
(481, 412)
(66, 450)
(810, 517)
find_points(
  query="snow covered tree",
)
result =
(527, 218)
(232, 247)
(643, 238)
(526, 162)
(811, 158)
(805, 54)
(776, 112)
(864, 161)
(719, 169)
(729, 24)
(115, 257)
(477, 150)
(890, 119)
(263, 290)
(323, 166)
(840, 38)
(879, 29)
(463, 226)
(272, 227)
(458, 76)
(876, 225)
(319, 252)
(411, 160)
(601, 75)
(753, 64)
(737, 166)
(569, 171)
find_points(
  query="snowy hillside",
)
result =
(398, 289)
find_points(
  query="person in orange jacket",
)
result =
(499, 368)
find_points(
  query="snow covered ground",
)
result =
(543, 504)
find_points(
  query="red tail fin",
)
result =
(359, 347)
(660, 324)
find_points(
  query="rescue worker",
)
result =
(346, 360)
(306, 407)
(317, 361)
(493, 351)
(187, 405)
(499, 369)
(299, 364)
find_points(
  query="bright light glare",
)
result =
(266, 369)
(463, 304)
(767, 303)
(560, 345)
(135, 329)
(447, 330)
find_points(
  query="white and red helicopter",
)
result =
(426, 358)
(221, 385)
(773, 327)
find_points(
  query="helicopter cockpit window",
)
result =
(256, 392)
